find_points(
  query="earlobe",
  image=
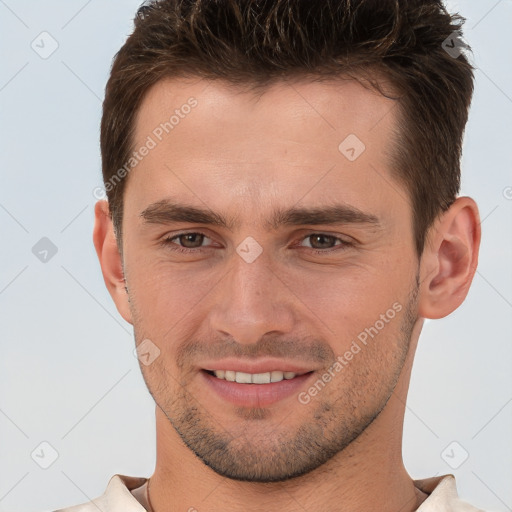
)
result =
(110, 259)
(450, 258)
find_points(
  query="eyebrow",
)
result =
(168, 212)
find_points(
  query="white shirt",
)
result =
(127, 494)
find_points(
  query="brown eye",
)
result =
(190, 240)
(322, 241)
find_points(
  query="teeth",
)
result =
(253, 378)
(261, 378)
(276, 376)
(243, 378)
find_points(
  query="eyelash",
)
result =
(168, 242)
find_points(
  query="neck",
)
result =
(367, 475)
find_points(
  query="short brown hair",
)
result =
(257, 42)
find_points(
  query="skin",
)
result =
(244, 155)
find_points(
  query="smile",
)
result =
(245, 389)
(252, 378)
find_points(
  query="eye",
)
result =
(323, 242)
(187, 242)
(192, 242)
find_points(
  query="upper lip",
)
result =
(257, 366)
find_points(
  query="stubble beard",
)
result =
(253, 452)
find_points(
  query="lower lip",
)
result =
(256, 395)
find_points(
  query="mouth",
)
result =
(254, 390)
(254, 378)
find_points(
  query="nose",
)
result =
(252, 301)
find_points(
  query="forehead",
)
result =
(338, 105)
(212, 140)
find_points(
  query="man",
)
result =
(282, 216)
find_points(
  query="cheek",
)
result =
(348, 299)
(340, 301)
(166, 299)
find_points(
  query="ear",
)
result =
(449, 259)
(110, 259)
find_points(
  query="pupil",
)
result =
(324, 237)
(189, 237)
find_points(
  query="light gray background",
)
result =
(67, 372)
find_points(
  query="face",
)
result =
(264, 243)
